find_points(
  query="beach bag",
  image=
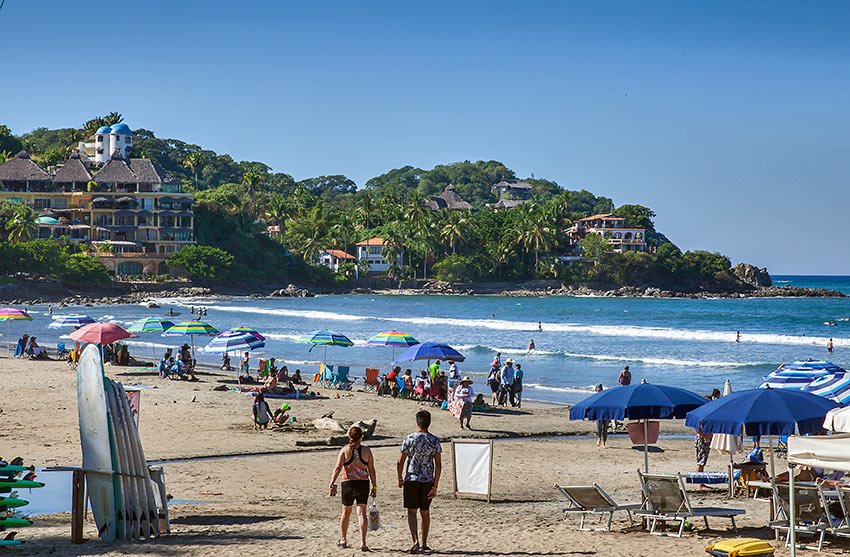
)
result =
(374, 515)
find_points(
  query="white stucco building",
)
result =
(333, 258)
(105, 141)
(372, 252)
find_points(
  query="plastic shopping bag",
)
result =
(374, 515)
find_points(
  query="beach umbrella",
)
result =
(100, 333)
(191, 328)
(231, 340)
(248, 330)
(326, 338)
(430, 351)
(725, 443)
(818, 377)
(392, 338)
(150, 325)
(643, 401)
(75, 320)
(762, 412)
(12, 314)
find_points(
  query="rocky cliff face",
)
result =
(751, 274)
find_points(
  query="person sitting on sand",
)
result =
(166, 364)
(271, 368)
(296, 377)
(36, 352)
(284, 374)
(225, 362)
(269, 387)
(262, 412)
(281, 415)
(123, 357)
(479, 403)
(408, 380)
(423, 383)
(185, 354)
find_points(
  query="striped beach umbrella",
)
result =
(12, 314)
(76, 320)
(326, 338)
(812, 376)
(393, 339)
(151, 325)
(248, 330)
(191, 328)
(232, 340)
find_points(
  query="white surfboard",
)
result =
(146, 494)
(96, 438)
(129, 501)
(139, 490)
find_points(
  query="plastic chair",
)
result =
(327, 375)
(341, 380)
(263, 369)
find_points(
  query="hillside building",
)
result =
(333, 258)
(612, 228)
(450, 199)
(372, 252)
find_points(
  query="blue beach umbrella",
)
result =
(76, 320)
(230, 341)
(813, 376)
(430, 351)
(643, 401)
(763, 412)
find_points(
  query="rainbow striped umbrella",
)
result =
(12, 314)
(327, 338)
(191, 328)
(248, 330)
(232, 340)
(392, 338)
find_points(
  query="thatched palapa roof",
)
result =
(450, 199)
(134, 171)
(21, 168)
(74, 170)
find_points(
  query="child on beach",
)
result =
(262, 412)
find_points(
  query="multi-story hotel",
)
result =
(613, 229)
(134, 206)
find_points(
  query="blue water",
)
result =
(585, 341)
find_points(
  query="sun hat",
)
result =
(509, 361)
(466, 379)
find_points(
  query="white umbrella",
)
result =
(728, 444)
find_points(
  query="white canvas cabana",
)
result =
(831, 452)
(838, 420)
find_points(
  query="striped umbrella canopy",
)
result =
(75, 320)
(326, 338)
(150, 325)
(233, 340)
(392, 338)
(12, 314)
(813, 376)
(248, 330)
(191, 328)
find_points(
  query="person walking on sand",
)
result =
(601, 426)
(357, 466)
(462, 401)
(829, 346)
(420, 479)
(507, 381)
(703, 448)
(625, 377)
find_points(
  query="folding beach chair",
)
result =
(327, 372)
(371, 379)
(341, 380)
(810, 513)
(399, 381)
(842, 527)
(60, 350)
(592, 500)
(667, 501)
(263, 369)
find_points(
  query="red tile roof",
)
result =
(372, 242)
(606, 216)
(338, 253)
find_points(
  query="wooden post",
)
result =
(78, 505)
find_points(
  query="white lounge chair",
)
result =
(810, 517)
(592, 500)
(667, 501)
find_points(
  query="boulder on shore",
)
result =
(292, 291)
(752, 275)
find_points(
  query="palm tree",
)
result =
(365, 206)
(343, 229)
(22, 226)
(196, 160)
(4, 156)
(454, 228)
(252, 179)
(313, 243)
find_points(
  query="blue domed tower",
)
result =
(121, 139)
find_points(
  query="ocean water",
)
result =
(584, 341)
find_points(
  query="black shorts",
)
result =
(494, 386)
(355, 490)
(415, 495)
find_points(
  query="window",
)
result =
(103, 220)
(628, 236)
(162, 269)
(100, 139)
(132, 268)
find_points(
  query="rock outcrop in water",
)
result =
(750, 274)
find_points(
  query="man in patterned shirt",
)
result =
(421, 479)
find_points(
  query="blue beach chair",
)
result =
(327, 379)
(402, 393)
(341, 380)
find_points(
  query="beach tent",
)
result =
(838, 420)
(643, 401)
(831, 452)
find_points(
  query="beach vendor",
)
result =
(421, 451)
(261, 411)
(461, 406)
(357, 466)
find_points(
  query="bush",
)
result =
(203, 263)
(455, 268)
(83, 270)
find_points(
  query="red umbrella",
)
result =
(100, 333)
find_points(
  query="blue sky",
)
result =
(729, 119)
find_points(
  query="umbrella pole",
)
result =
(8, 339)
(646, 446)
(774, 502)
(792, 534)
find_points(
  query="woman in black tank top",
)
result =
(357, 466)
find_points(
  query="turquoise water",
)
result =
(585, 341)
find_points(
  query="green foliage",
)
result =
(595, 248)
(22, 225)
(82, 270)
(8, 142)
(456, 268)
(53, 258)
(204, 263)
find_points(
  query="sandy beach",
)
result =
(274, 498)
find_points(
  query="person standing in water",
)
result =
(540, 326)
(625, 377)
(531, 345)
(829, 346)
(738, 336)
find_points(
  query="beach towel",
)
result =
(710, 477)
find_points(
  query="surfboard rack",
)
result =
(78, 495)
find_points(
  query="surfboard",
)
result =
(145, 485)
(128, 501)
(11, 470)
(12, 522)
(8, 484)
(10, 542)
(96, 438)
(11, 502)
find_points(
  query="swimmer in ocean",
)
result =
(540, 326)
(531, 345)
